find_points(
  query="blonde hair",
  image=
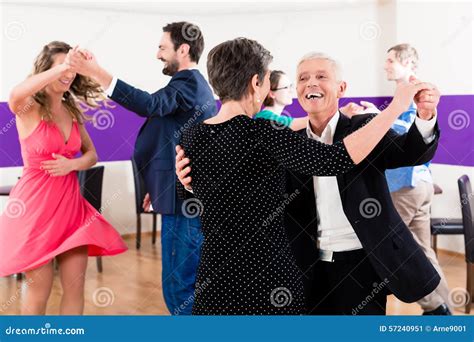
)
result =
(405, 52)
(83, 94)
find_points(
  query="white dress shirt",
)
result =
(110, 90)
(335, 233)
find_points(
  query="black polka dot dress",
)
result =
(238, 178)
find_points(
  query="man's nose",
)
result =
(313, 82)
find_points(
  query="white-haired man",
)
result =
(352, 257)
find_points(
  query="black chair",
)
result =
(464, 226)
(140, 193)
(467, 210)
(444, 226)
(90, 182)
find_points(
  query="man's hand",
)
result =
(369, 107)
(406, 93)
(182, 168)
(146, 203)
(84, 63)
(353, 108)
(426, 102)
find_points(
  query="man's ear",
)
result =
(184, 49)
(406, 62)
(341, 89)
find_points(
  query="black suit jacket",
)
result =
(366, 201)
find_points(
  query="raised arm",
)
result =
(308, 156)
(302, 154)
(360, 143)
(21, 96)
(161, 103)
(415, 147)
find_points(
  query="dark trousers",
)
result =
(347, 286)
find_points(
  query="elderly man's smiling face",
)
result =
(319, 86)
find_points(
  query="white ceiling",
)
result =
(194, 7)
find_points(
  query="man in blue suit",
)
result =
(185, 100)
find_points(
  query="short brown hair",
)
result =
(232, 64)
(186, 33)
(275, 77)
(405, 52)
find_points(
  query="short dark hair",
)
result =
(275, 76)
(186, 33)
(232, 64)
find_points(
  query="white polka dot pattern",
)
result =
(238, 175)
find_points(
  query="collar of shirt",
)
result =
(328, 132)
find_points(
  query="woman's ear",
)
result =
(255, 84)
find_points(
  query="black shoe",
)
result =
(441, 310)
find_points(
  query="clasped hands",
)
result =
(81, 61)
(426, 102)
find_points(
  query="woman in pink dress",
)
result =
(46, 216)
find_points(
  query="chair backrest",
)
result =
(90, 182)
(467, 209)
(139, 187)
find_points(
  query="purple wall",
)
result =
(116, 129)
